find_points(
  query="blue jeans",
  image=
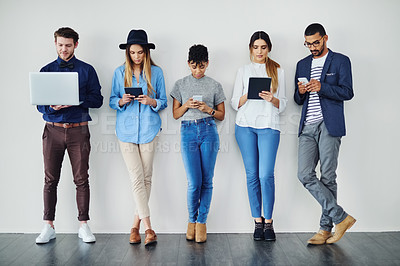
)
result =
(199, 147)
(315, 144)
(259, 148)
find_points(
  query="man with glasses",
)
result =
(328, 85)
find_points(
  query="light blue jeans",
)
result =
(259, 148)
(199, 148)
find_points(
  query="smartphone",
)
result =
(135, 91)
(303, 80)
(198, 98)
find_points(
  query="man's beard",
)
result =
(319, 52)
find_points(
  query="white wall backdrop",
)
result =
(368, 173)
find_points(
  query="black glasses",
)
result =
(315, 44)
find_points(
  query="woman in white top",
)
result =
(257, 130)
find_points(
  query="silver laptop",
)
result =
(54, 88)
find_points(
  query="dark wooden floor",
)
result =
(220, 249)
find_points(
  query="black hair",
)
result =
(198, 54)
(314, 28)
(67, 33)
(260, 35)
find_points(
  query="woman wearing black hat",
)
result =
(138, 122)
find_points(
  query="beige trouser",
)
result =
(139, 161)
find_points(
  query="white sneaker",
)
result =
(86, 234)
(48, 233)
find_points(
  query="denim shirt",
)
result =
(138, 123)
(89, 93)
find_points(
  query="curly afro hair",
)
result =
(198, 54)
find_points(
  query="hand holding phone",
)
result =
(302, 86)
(304, 81)
(198, 98)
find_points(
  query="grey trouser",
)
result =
(315, 144)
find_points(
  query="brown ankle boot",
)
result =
(341, 228)
(201, 233)
(319, 238)
(190, 233)
(151, 237)
(135, 236)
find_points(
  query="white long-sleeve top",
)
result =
(257, 113)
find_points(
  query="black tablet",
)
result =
(136, 91)
(257, 85)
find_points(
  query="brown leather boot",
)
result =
(341, 228)
(319, 238)
(190, 233)
(151, 237)
(201, 233)
(135, 236)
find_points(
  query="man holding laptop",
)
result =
(323, 82)
(66, 128)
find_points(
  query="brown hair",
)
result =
(145, 67)
(66, 32)
(270, 65)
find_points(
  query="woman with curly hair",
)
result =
(198, 100)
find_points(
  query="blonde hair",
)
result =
(270, 65)
(145, 67)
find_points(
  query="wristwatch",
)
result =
(212, 112)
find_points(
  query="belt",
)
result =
(197, 121)
(68, 125)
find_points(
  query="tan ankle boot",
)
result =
(319, 238)
(341, 228)
(201, 233)
(135, 236)
(190, 233)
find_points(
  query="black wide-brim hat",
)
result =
(137, 37)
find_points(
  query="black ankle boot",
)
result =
(259, 230)
(269, 234)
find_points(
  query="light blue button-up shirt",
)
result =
(138, 123)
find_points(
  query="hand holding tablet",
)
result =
(256, 86)
(134, 91)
